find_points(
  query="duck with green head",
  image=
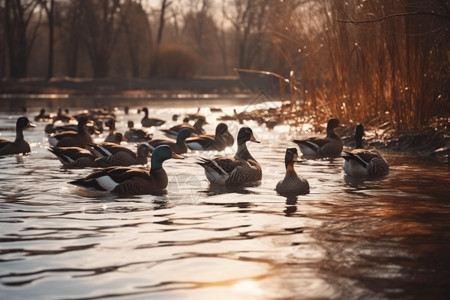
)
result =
(132, 181)
(179, 146)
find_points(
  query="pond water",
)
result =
(381, 239)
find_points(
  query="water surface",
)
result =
(380, 239)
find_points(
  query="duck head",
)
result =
(332, 124)
(161, 154)
(143, 150)
(118, 138)
(23, 123)
(183, 135)
(246, 134)
(290, 157)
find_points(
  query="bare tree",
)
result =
(137, 34)
(249, 21)
(20, 35)
(102, 21)
(48, 6)
(162, 18)
(71, 36)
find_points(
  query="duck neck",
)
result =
(358, 142)
(156, 163)
(242, 152)
(19, 133)
(332, 134)
(290, 167)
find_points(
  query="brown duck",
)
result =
(19, 145)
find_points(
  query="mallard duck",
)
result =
(63, 116)
(19, 145)
(195, 116)
(75, 157)
(78, 138)
(179, 146)
(42, 116)
(330, 146)
(150, 122)
(197, 128)
(242, 169)
(292, 184)
(136, 134)
(112, 137)
(126, 157)
(106, 149)
(132, 181)
(364, 162)
(95, 128)
(219, 141)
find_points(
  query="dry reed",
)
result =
(349, 66)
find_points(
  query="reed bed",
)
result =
(379, 62)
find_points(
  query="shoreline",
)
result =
(126, 86)
(16, 95)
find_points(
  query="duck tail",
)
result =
(211, 164)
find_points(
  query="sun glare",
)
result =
(248, 287)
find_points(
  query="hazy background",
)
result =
(357, 60)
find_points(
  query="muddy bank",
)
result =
(426, 143)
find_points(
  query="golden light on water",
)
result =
(249, 287)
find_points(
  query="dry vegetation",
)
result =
(368, 61)
(380, 62)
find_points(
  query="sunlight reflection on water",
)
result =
(387, 238)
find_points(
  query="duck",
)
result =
(126, 157)
(150, 122)
(112, 137)
(19, 145)
(95, 128)
(75, 157)
(42, 116)
(242, 169)
(79, 138)
(292, 183)
(179, 146)
(219, 141)
(330, 146)
(132, 181)
(364, 162)
(105, 149)
(136, 134)
(196, 115)
(197, 128)
(63, 116)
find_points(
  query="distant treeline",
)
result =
(356, 60)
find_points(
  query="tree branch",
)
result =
(416, 13)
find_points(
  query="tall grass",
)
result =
(348, 65)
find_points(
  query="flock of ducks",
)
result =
(75, 148)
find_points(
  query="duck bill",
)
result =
(176, 156)
(253, 139)
(30, 125)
